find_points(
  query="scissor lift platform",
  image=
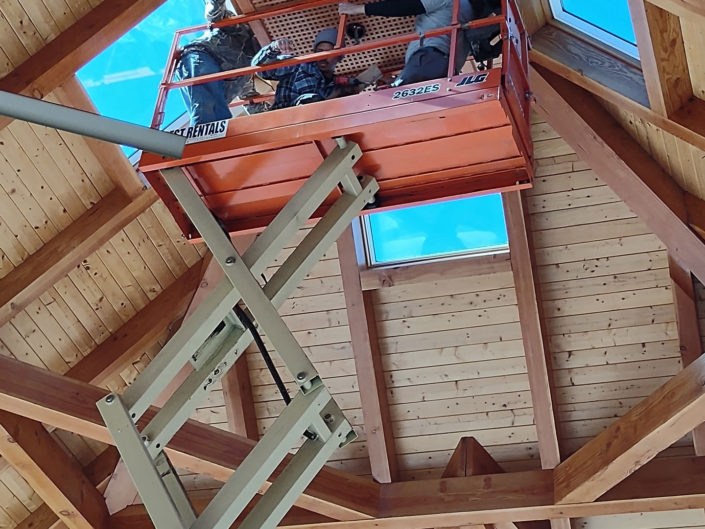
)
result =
(423, 142)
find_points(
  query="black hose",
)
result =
(247, 322)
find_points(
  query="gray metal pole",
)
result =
(87, 124)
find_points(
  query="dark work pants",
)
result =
(425, 64)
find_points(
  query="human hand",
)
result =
(346, 8)
(285, 46)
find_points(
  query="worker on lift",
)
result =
(218, 50)
(426, 58)
(308, 82)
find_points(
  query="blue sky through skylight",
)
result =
(611, 15)
(452, 227)
(123, 80)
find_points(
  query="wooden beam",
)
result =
(696, 213)
(67, 53)
(56, 478)
(471, 459)
(56, 258)
(533, 334)
(621, 163)
(102, 467)
(682, 8)
(138, 333)
(662, 485)
(368, 362)
(239, 403)
(98, 473)
(662, 55)
(116, 165)
(688, 330)
(613, 80)
(651, 426)
(70, 405)
(409, 274)
(135, 516)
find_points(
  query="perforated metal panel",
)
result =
(303, 26)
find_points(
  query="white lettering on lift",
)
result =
(204, 131)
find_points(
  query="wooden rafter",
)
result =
(116, 165)
(70, 405)
(98, 473)
(662, 54)
(650, 427)
(135, 516)
(668, 484)
(75, 47)
(137, 334)
(65, 251)
(368, 362)
(55, 477)
(621, 163)
(688, 330)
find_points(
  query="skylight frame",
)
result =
(592, 30)
(469, 253)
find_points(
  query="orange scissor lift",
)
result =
(272, 172)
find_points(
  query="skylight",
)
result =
(123, 80)
(608, 21)
(442, 229)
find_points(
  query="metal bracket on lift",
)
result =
(212, 339)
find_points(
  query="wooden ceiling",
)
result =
(565, 354)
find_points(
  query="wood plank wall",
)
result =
(454, 366)
(606, 291)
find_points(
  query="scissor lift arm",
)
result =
(213, 338)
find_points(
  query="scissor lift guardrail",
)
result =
(213, 338)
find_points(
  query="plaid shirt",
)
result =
(294, 81)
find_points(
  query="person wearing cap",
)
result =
(426, 58)
(308, 82)
(218, 50)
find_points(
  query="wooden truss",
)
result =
(612, 474)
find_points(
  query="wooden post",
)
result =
(368, 363)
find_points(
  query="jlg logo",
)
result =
(473, 79)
